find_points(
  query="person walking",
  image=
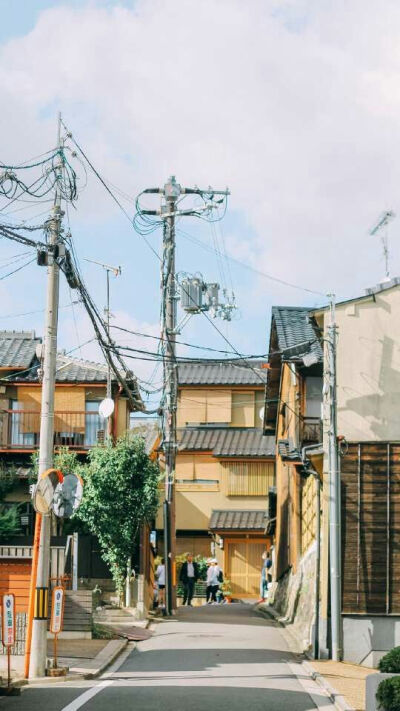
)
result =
(214, 575)
(160, 575)
(188, 576)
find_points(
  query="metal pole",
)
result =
(334, 494)
(317, 560)
(108, 331)
(128, 600)
(75, 554)
(171, 193)
(39, 629)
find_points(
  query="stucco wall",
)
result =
(368, 367)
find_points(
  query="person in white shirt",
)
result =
(160, 575)
(214, 574)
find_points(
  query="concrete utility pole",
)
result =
(39, 630)
(170, 194)
(334, 494)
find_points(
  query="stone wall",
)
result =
(294, 599)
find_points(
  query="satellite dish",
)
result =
(68, 496)
(43, 492)
(106, 408)
(261, 413)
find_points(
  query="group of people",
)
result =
(188, 577)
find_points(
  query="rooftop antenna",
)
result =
(116, 271)
(381, 228)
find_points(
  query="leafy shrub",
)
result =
(10, 523)
(388, 694)
(390, 663)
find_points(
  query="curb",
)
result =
(337, 699)
(109, 660)
(292, 641)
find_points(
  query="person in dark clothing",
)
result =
(188, 576)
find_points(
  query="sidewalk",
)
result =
(347, 680)
(344, 682)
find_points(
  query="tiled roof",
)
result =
(287, 450)
(227, 442)
(148, 428)
(221, 373)
(17, 348)
(72, 370)
(295, 331)
(236, 520)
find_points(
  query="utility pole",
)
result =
(116, 271)
(334, 493)
(39, 630)
(170, 194)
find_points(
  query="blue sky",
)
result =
(294, 105)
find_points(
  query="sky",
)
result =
(294, 105)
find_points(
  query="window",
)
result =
(21, 428)
(94, 424)
(249, 478)
(198, 406)
(243, 405)
(194, 470)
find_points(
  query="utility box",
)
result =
(192, 294)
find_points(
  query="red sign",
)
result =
(8, 619)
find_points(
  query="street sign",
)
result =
(8, 620)
(57, 609)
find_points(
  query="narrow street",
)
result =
(224, 658)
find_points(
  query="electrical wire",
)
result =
(18, 269)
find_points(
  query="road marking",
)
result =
(83, 698)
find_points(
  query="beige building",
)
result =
(368, 393)
(224, 468)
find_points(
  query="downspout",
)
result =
(115, 418)
(317, 541)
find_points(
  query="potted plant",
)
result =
(383, 688)
(226, 589)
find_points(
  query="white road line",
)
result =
(83, 698)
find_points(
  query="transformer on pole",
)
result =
(195, 296)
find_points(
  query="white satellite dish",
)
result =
(261, 413)
(43, 492)
(68, 496)
(106, 408)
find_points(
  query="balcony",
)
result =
(311, 430)
(19, 430)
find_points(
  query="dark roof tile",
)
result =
(221, 373)
(238, 519)
(227, 442)
(296, 331)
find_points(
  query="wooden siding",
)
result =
(249, 478)
(371, 528)
(307, 513)
(15, 577)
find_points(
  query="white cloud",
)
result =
(294, 105)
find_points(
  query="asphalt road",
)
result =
(214, 658)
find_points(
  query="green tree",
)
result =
(120, 494)
(10, 522)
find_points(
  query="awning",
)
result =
(238, 520)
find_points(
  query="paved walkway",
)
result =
(223, 658)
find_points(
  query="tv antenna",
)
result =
(381, 228)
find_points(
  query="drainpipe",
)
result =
(315, 474)
(115, 418)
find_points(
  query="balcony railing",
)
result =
(311, 430)
(19, 429)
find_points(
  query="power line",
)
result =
(18, 269)
(278, 280)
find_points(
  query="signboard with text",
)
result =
(57, 609)
(8, 620)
